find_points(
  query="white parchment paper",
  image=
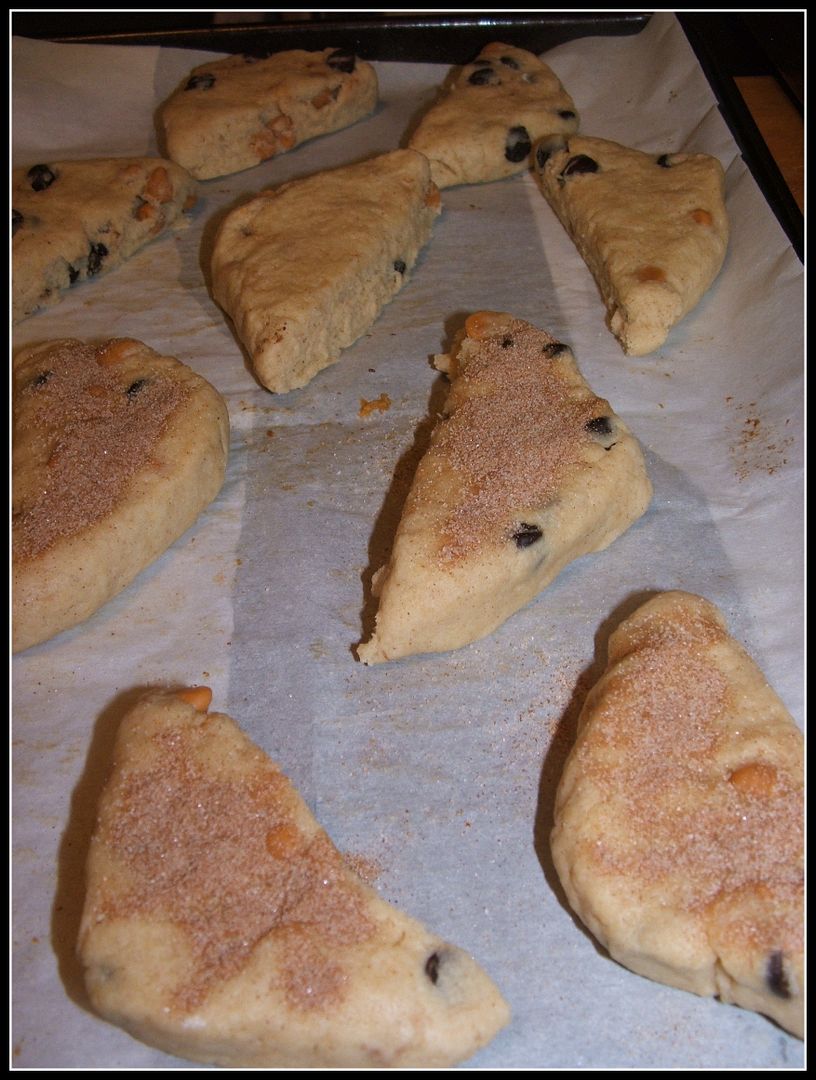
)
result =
(436, 774)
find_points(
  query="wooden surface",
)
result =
(781, 125)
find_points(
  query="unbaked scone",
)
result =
(72, 221)
(679, 818)
(653, 229)
(116, 451)
(231, 114)
(303, 270)
(222, 925)
(489, 114)
(526, 471)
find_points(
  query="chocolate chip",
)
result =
(578, 165)
(525, 535)
(135, 387)
(518, 144)
(399, 266)
(432, 967)
(599, 425)
(664, 162)
(547, 146)
(484, 77)
(95, 257)
(507, 343)
(566, 114)
(205, 81)
(41, 379)
(775, 977)
(510, 62)
(73, 273)
(341, 60)
(41, 177)
(16, 221)
(555, 348)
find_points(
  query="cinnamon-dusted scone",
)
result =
(489, 114)
(303, 270)
(231, 114)
(222, 925)
(527, 470)
(75, 220)
(679, 818)
(652, 228)
(116, 452)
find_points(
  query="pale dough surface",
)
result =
(527, 470)
(74, 220)
(652, 228)
(231, 114)
(679, 818)
(116, 451)
(303, 270)
(488, 115)
(223, 926)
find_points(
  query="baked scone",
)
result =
(526, 471)
(116, 451)
(75, 220)
(653, 229)
(489, 114)
(304, 269)
(222, 925)
(679, 818)
(231, 114)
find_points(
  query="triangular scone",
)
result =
(222, 925)
(526, 471)
(303, 270)
(489, 114)
(652, 228)
(74, 220)
(116, 452)
(679, 819)
(231, 114)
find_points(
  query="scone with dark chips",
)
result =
(489, 114)
(303, 270)
(527, 470)
(116, 452)
(679, 818)
(231, 114)
(223, 926)
(652, 228)
(74, 220)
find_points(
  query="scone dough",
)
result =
(527, 470)
(116, 452)
(679, 818)
(222, 925)
(231, 114)
(74, 220)
(652, 228)
(489, 114)
(303, 270)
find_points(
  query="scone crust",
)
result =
(652, 228)
(117, 450)
(488, 115)
(221, 924)
(678, 831)
(231, 114)
(75, 220)
(303, 270)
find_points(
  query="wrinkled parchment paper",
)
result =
(436, 775)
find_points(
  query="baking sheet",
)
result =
(436, 775)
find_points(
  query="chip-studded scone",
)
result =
(74, 220)
(679, 818)
(223, 926)
(652, 228)
(527, 470)
(303, 270)
(489, 114)
(231, 114)
(116, 452)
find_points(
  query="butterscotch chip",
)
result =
(221, 925)
(679, 818)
